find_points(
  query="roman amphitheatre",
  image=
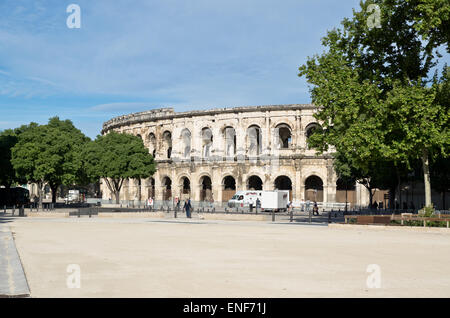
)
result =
(207, 155)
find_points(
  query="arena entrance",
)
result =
(167, 190)
(314, 189)
(185, 188)
(206, 189)
(284, 183)
(229, 188)
(254, 183)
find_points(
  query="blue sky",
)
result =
(132, 55)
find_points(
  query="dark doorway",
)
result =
(314, 189)
(254, 183)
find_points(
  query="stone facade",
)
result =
(208, 155)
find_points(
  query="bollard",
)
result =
(90, 212)
(175, 213)
(13, 209)
(22, 211)
(273, 215)
(291, 219)
(79, 212)
(4, 209)
(329, 217)
(310, 216)
(168, 210)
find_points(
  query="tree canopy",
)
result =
(8, 139)
(376, 99)
(49, 154)
(116, 157)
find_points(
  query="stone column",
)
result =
(298, 181)
(241, 140)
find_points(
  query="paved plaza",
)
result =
(144, 257)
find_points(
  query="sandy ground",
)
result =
(151, 258)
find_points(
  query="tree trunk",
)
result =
(54, 191)
(426, 178)
(346, 198)
(392, 198)
(370, 196)
(139, 190)
(443, 200)
(117, 194)
(41, 194)
(399, 189)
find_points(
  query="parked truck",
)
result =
(269, 200)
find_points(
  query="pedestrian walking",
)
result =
(187, 207)
(315, 209)
(150, 203)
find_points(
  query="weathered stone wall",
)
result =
(256, 151)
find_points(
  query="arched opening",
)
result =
(205, 189)
(284, 136)
(230, 141)
(345, 192)
(186, 142)
(167, 138)
(167, 188)
(314, 189)
(207, 141)
(229, 188)
(254, 140)
(310, 130)
(284, 183)
(152, 144)
(185, 188)
(151, 188)
(254, 183)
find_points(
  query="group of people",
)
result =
(251, 204)
(187, 205)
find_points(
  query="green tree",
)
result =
(8, 139)
(115, 157)
(371, 85)
(49, 154)
(7, 174)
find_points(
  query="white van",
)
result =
(269, 200)
(241, 199)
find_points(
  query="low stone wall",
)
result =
(48, 214)
(389, 228)
(131, 215)
(234, 217)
